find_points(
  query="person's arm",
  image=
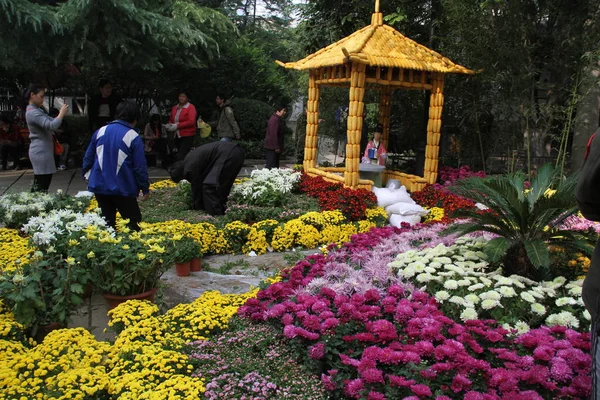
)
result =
(140, 168)
(231, 119)
(90, 156)
(190, 120)
(366, 153)
(44, 121)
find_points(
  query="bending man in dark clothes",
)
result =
(211, 169)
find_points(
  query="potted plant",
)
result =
(43, 293)
(124, 265)
(184, 250)
(196, 263)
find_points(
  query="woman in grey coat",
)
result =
(41, 126)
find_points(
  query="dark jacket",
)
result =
(94, 106)
(116, 161)
(588, 199)
(588, 187)
(212, 169)
(227, 126)
(274, 138)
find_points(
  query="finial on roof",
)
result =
(377, 17)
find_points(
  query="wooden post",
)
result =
(385, 109)
(355, 123)
(434, 128)
(311, 143)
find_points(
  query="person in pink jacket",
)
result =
(182, 123)
(378, 149)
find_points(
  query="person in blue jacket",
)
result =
(115, 165)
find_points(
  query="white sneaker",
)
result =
(62, 168)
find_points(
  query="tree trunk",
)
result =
(517, 262)
(587, 119)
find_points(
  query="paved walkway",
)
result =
(70, 181)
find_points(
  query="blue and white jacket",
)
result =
(115, 163)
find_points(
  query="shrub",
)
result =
(334, 196)
(252, 117)
(527, 220)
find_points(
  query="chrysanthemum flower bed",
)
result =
(377, 336)
(145, 361)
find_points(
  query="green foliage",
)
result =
(125, 268)
(252, 116)
(185, 249)
(527, 221)
(44, 291)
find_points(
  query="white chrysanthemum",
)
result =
(507, 291)
(586, 315)
(490, 295)
(407, 272)
(477, 286)
(503, 281)
(446, 274)
(527, 297)
(451, 284)
(442, 296)
(464, 282)
(560, 280)
(564, 318)
(430, 270)
(472, 298)
(457, 300)
(425, 277)
(522, 327)
(575, 291)
(418, 266)
(443, 260)
(485, 281)
(468, 314)
(565, 301)
(488, 304)
(435, 264)
(538, 309)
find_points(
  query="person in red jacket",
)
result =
(274, 138)
(182, 123)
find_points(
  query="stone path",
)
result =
(243, 273)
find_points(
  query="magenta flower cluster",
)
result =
(392, 342)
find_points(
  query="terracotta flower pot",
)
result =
(113, 300)
(182, 269)
(196, 265)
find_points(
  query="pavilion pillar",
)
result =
(434, 127)
(385, 109)
(311, 142)
(355, 123)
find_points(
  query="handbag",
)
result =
(58, 148)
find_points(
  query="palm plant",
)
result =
(526, 220)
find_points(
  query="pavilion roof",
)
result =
(379, 45)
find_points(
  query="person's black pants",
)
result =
(184, 145)
(215, 196)
(41, 183)
(272, 158)
(14, 152)
(127, 206)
